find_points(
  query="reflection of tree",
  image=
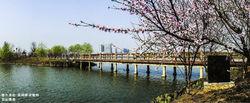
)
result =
(6, 75)
(6, 68)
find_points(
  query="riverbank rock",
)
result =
(217, 86)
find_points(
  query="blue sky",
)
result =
(25, 21)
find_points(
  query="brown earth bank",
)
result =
(240, 93)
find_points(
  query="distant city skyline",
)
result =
(46, 21)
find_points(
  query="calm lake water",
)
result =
(64, 85)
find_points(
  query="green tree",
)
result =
(58, 50)
(6, 52)
(41, 50)
(75, 48)
(84, 48)
(87, 48)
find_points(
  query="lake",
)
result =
(64, 85)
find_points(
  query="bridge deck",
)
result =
(139, 59)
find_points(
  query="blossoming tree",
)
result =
(186, 26)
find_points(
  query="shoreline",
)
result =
(45, 62)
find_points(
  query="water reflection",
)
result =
(75, 85)
(5, 68)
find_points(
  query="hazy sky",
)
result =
(24, 21)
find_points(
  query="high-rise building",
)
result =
(106, 48)
(125, 50)
(102, 48)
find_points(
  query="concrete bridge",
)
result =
(138, 59)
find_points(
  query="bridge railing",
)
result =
(133, 56)
(118, 56)
(121, 56)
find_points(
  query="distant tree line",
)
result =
(8, 52)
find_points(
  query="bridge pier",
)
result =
(67, 64)
(164, 74)
(100, 65)
(89, 65)
(127, 68)
(112, 67)
(64, 64)
(136, 70)
(201, 72)
(115, 68)
(148, 70)
(50, 64)
(174, 73)
(80, 65)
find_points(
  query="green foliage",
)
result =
(57, 50)
(87, 48)
(84, 48)
(166, 98)
(75, 48)
(41, 50)
(6, 52)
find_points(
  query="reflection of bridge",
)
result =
(136, 59)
